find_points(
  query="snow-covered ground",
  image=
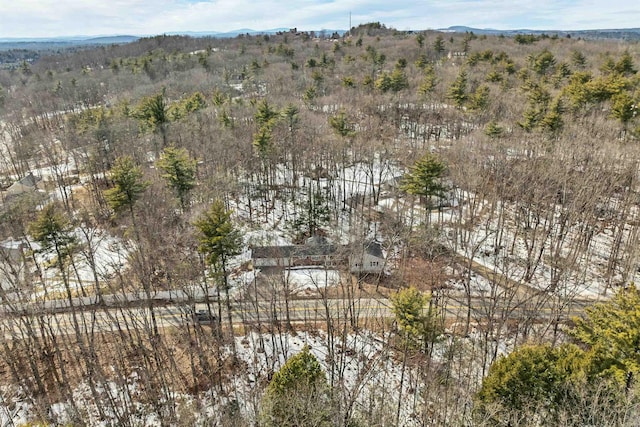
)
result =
(545, 260)
(270, 220)
(96, 258)
(551, 258)
(310, 279)
(360, 367)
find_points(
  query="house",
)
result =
(27, 185)
(317, 251)
(454, 54)
(370, 260)
(24, 185)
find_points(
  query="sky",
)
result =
(52, 18)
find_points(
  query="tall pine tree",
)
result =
(179, 170)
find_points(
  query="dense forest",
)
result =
(498, 176)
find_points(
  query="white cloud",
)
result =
(37, 18)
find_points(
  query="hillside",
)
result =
(207, 230)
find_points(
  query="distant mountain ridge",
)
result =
(613, 33)
(116, 39)
(70, 41)
(38, 44)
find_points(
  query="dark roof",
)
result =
(374, 249)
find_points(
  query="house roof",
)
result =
(29, 180)
(11, 244)
(28, 183)
(374, 249)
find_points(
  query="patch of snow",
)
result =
(97, 258)
(310, 279)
